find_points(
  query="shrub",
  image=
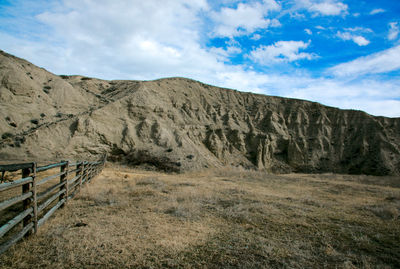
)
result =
(34, 121)
(6, 135)
(19, 139)
(46, 89)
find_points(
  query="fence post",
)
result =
(64, 178)
(104, 161)
(90, 171)
(34, 190)
(79, 173)
(85, 172)
(93, 172)
(27, 203)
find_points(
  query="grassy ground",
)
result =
(220, 219)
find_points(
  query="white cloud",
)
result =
(324, 7)
(275, 23)
(234, 50)
(129, 40)
(377, 98)
(359, 40)
(308, 31)
(329, 8)
(359, 29)
(381, 62)
(244, 19)
(297, 15)
(110, 22)
(281, 51)
(377, 11)
(393, 30)
(256, 37)
(223, 54)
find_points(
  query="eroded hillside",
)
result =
(181, 124)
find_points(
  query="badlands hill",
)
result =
(179, 124)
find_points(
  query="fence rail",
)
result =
(34, 208)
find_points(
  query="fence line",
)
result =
(35, 205)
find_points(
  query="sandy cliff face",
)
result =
(181, 124)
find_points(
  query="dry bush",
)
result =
(385, 212)
(153, 181)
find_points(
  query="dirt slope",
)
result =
(181, 124)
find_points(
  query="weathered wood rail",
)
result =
(32, 207)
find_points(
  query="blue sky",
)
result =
(339, 53)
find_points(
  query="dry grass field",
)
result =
(220, 219)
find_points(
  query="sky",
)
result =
(341, 53)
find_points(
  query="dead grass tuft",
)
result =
(149, 181)
(385, 212)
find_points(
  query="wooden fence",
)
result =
(32, 207)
